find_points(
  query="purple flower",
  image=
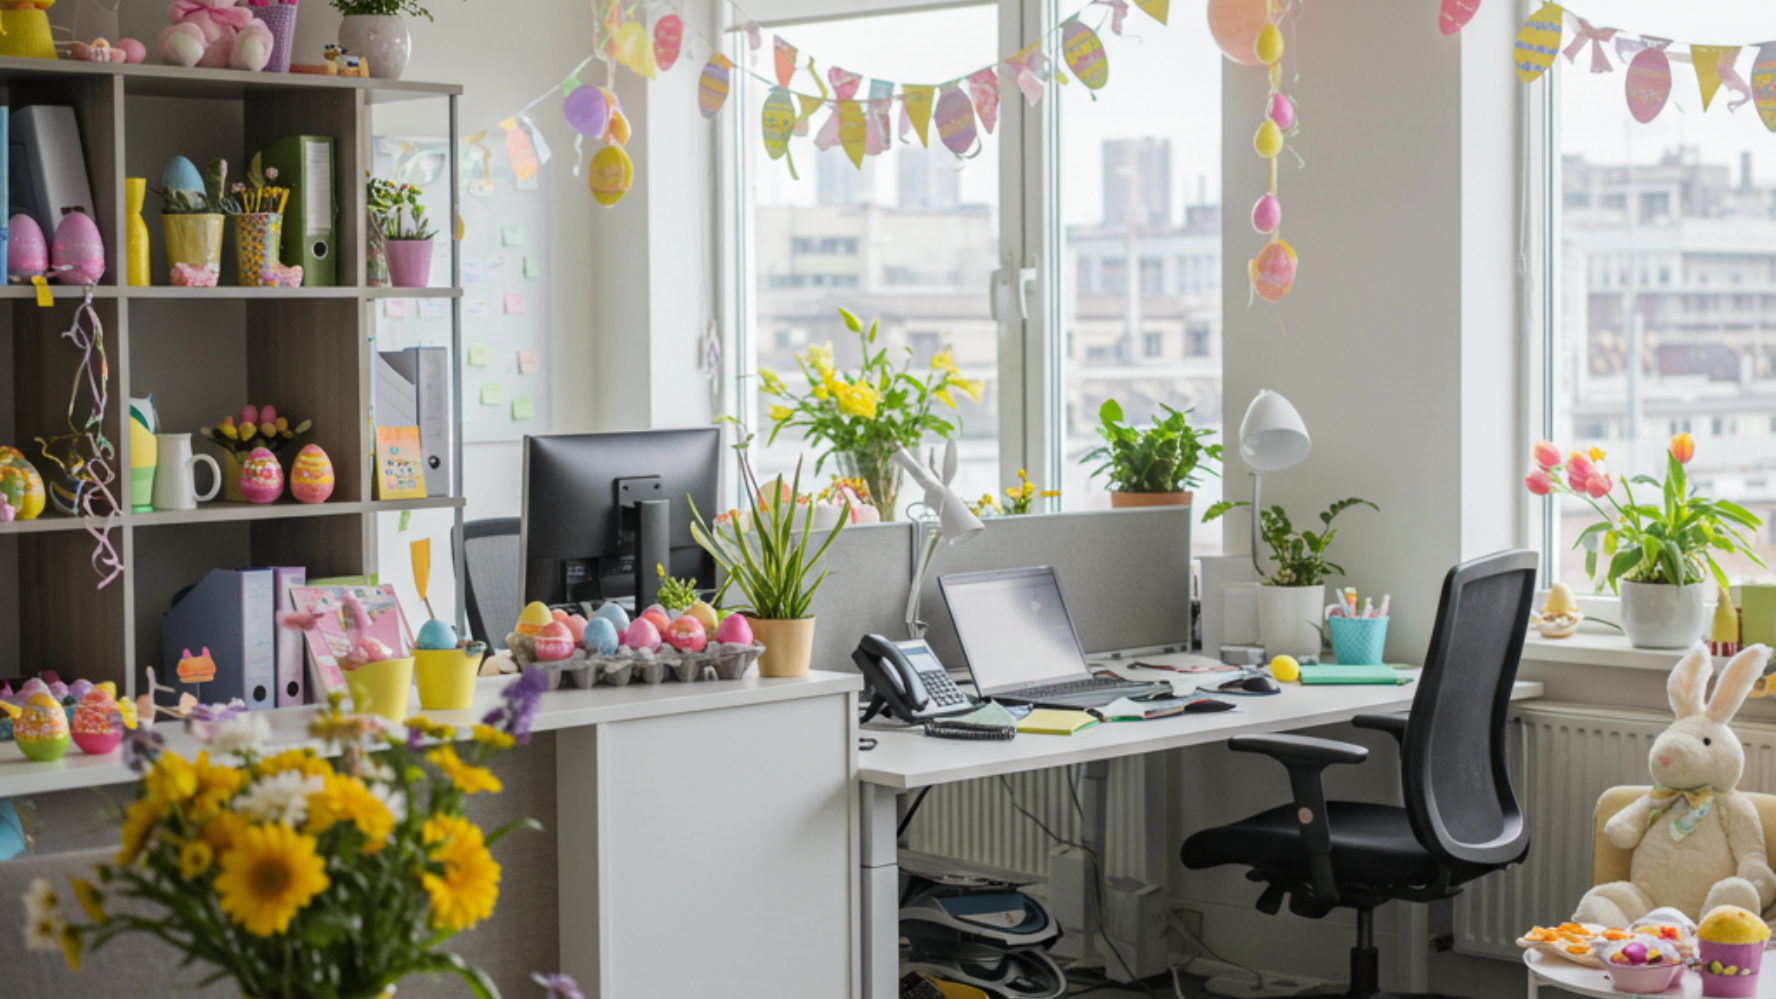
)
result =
(141, 747)
(519, 703)
(216, 713)
(558, 986)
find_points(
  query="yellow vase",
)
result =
(135, 193)
(447, 677)
(381, 688)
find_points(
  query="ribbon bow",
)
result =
(1694, 804)
(1596, 36)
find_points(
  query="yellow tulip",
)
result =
(942, 361)
(780, 413)
(943, 395)
(773, 383)
(972, 388)
(856, 400)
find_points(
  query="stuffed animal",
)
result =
(1696, 839)
(214, 34)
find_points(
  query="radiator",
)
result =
(1563, 757)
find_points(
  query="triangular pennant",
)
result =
(1707, 60)
(1156, 9)
(916, 102)
(983, 91)
(851, 131)
(786, 60)
(1539, 42)
(543, 152)
(810, 104)
(879, 136)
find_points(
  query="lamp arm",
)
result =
(1257, 491)
(927, 551)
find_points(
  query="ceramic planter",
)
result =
(1288, 619)
(789, 646)
(410, 262)
(194, 240)
(380, 38)
(381, 688)
(1120, 500)
(1662, 616)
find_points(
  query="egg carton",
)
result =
(728, 661)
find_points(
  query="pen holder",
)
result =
(1358, 641)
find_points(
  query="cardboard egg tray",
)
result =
(585, 669)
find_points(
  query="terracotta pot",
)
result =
(1130, 501)
(789, 646)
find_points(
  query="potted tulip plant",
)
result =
(1154, 466)
(1291, 601)
(408, 234)
(1660, 559)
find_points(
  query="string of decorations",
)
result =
(83, 488)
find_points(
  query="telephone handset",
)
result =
(907, 681)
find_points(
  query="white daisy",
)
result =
(373, 769)
(43, 931)
(279, 798)
(40, 899)
(244, 733)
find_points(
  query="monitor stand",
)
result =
(653, 548)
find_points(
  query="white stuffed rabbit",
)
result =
(1696, 839)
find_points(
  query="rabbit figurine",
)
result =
(1696, 839)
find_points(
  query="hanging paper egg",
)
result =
(1763, 86)
(610, 175)
(617, 132)
(41, 729)
(311, 475)
(1538, 42)
(1235, 25)
(777, 121)
(1456, 14)
(632, 47)
(1267, 214)
(554, 643)
(27, 253)
(1649, 84)
(98, 725)
(712, 87)
(1269, 46)
(1269, 140)
(1273, 271)
(1085, 54)
(78, 248)
(586, 111)
(262, 478)
(21, 485)
(668, 39)
(955, 120)
(1281, 111)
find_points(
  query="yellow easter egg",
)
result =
(1285, 668)
(610, 175)
(1269, 46)
(1269, 140)
(534, 618)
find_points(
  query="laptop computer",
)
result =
(1020, 642)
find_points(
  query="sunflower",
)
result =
(92, 900)
(139, 821)
(468, 779)
(195, 858)
(465, 892)
(222, 831)
(272, 872)
(215, 785)
(347, 799)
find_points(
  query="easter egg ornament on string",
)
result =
(1272, 271)
(1649, 80)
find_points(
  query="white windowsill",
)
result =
(1599, 648)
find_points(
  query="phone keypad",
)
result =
(941, 689)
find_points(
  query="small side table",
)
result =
(1565, 977)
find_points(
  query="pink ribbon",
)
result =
(1030, 73)
(1119, 10)
(1597, 37)
(1730, 78)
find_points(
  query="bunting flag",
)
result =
(880, 136)
(916, 106)
(519, 150)
(1029, 70)
(1538, 42)
(1119, 10)
(955, 121)
(1649, 81)
(983, 92)
(777, 122)
(786, 60)
(1707, 60)
(1085, 55)
(668, 40)
(1454, 15)
(1156, 9)
(851, 137)
(712, 86)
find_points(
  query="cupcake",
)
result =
(1731, 948)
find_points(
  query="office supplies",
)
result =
(1054, 721)
(1123, 709)
(1340, 674)
(46, 168)
(1257, 684)
(1020, 642)
(1190, 670)
(906, 681)
(951, 728)
(305, 164)
(228, 614)
(420, 379)
(291, 692)
(327, 640)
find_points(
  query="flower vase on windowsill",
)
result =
(878, 472)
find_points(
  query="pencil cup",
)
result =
(1358, 641)
(256, 238)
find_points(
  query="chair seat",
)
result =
(1372, 845)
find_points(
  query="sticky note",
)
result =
(514, 303)
(481, 187)
(480, 355)
(406, 518)
(394, 308)
(472, 271)
(433, 308)
(522, 408)
(512, 234)
(533, 265)
(490, 394)
(527, 362)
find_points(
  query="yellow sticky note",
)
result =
(480, 355)
(522, 408)
(490, 394)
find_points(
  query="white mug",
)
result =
(175, 475)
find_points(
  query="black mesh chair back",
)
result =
(492, 590)
(1456, 778)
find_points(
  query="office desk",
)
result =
(904, 761)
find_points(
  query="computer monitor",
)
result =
(602, 510)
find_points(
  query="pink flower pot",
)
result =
(410, 262)
(1742, 961)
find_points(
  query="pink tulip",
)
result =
(1546, 455)
(1578, 471)
(1539, 482)
(1599, 484)
(267, 414)
(249, 414)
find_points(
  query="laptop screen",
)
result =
(1013, 627)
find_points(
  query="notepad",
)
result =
(1048, 721)
(1333, 674)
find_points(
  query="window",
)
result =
(1113, 276)
(1152, 344)
(1152, 276)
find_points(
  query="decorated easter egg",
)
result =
(617, 132)
(1649, 84)
(31, 688)
(1085, 54)
(1281, 111)
(614, 613)
(1269, 140)
(712, 86)
(777, 122)
(1267, 214)
(554, 643)
(955, 120)
(610, 175)
(57, 690)
(133, 50)
(262, 478)
(21, 485)
(181, 175)
(311, 475)
(79, 249)
(1538, 42)
(687, 635)
(576, 626)
(41, 729)
(1235, 24)
(1456, 14)
(80, 688)
(704, 614)
(1273, 271)
(98, 725)
(734, 630)
(657, 617)
(27, 253)
(601, 636)
(1269, 46)
(668, 39)
(586, 111)
(435, 636)
(1763, 85)
(533, 618)
(642, 635)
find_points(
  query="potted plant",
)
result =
(1292, 600)
(1659, 558)
(1020, 500)
(765, 556)
(1152, 467)
(864, 418)
(402, 219)
(376, 31)
(191, 213)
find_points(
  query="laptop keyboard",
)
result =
(1070, 688)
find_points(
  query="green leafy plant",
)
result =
(1162, 458)
(397, 210)
(675, 594)
(409, 7)
(212, 200)
(1300, 555)
(762, 552)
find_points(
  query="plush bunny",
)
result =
(214, 34)
(1696, 839)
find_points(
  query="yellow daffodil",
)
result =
(465, 891)
(821, 392)
(468, 779)
(195, 858)
(943, 395)
(970, 387)
(487, 735)
(92, 900)
(943, 361)
(780, 413)
(772, 382)
(272, 872)
(172, 781)
(139, 822)
(215, 785)
(857, 400)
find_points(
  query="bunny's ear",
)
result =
(1689, 682)
(1736, 682)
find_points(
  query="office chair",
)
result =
(1461, 819)
(492, 589)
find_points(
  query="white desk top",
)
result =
(910, 760)
(559, 709)
(1577, 978)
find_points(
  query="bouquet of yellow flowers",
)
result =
(864, 418)
(301, 875)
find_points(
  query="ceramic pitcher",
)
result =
(175, 475)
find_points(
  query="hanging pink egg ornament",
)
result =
(1456, 14)
(311, 475)
(1272, 271)
(587, 111)
(27, 252)
(79, 253)
(668, 40)
(262, 478)
(1236, 25)
(1649, 84)
(1267, 214)
(1281, 111)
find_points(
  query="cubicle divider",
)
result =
(865, 592)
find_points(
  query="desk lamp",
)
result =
(955, 522)
(1272, 438)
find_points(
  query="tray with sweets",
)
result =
(1586, 943)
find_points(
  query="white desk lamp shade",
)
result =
(1272, 436)
(958, 523)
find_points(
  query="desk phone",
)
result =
(907, 681)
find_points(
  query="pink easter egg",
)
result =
(1267, 214)
(576, 626)
(687, 635)
(78, 248)
(554, 642)
(262, 478)
(1456, 14)
(734, 630)
(1281, 111)
(268, 414)
(1273, 271)
(27, 252)
(98, 727)
(642, 635)
(133, 50)
(1649, 84)
(668, 39)
(311, 475)
(657, 617)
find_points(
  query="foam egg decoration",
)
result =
(133, 50)
(181, 175)
(31, 688)
(1267, 214)
(687, 635)
(21, 485)
(435, 636)
(80, 688)
(642, 635)
(1649, 84)
(614, 613)
(586, 111)
(311, 475)
(1235, 25)
(262, 478)
(668, 40)
(1269, 140)
(98, 725)
(27, 253)
(704, 614)
(601, 636)
(610, 175)
(656, 617)
(78, 248)
(1269, 46)
(59, 691)
(1085, 54)
(576, 626)
(955, 120)
(1763, 84)
(1456, 14)
(1281, 111)
(734, 630)
(712, 86)
(554, 643)
(533, 618)
(1273, 271)
(777, 123)
(41, 729)
(1538, 42)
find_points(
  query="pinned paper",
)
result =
(634, 49)
(785, 54)
(400, 464)
(1084, 55)
(519, 149)
(1596, 36)
(668, 40)
(533, 266)
(472, 271)
(406, 520)
(983, 92)
(611, 174)
(1649, 81)
(527, 362)
(490, 394)
(1156, 9)
(522, 408)
(480, 355)
(955, 121)
(1456, 14)
(712, 87)
(915, 104)
(512, 234)
(475, 307)
(394, 308)
(433, 308)
(1538, 42)
(514, 303)
(777, 124)
(1708, 59)
(1763, 84)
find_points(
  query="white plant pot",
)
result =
(380, 38)
(1661, 616)
(1288, 619)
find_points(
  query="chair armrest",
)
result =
(1304, 757)
(1394, 725)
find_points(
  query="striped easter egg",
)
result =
(1538, 42)
(778, 122)
(955, 120)
(1649, 84)
(712, 88)
(1763, 84)
(1085, 55)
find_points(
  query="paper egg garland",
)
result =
(712, 87)
(1538, 42)
(610, 175)
(1763, 85)
(955, 120)
(1272, 271)
(668, 40)
(1085, 55)
(311, 475)
(1456, 14)
(1649, 84)
(586, 111)
(777, 122)
(1267, 214)
(79, 253)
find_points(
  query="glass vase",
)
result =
(878, 471)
